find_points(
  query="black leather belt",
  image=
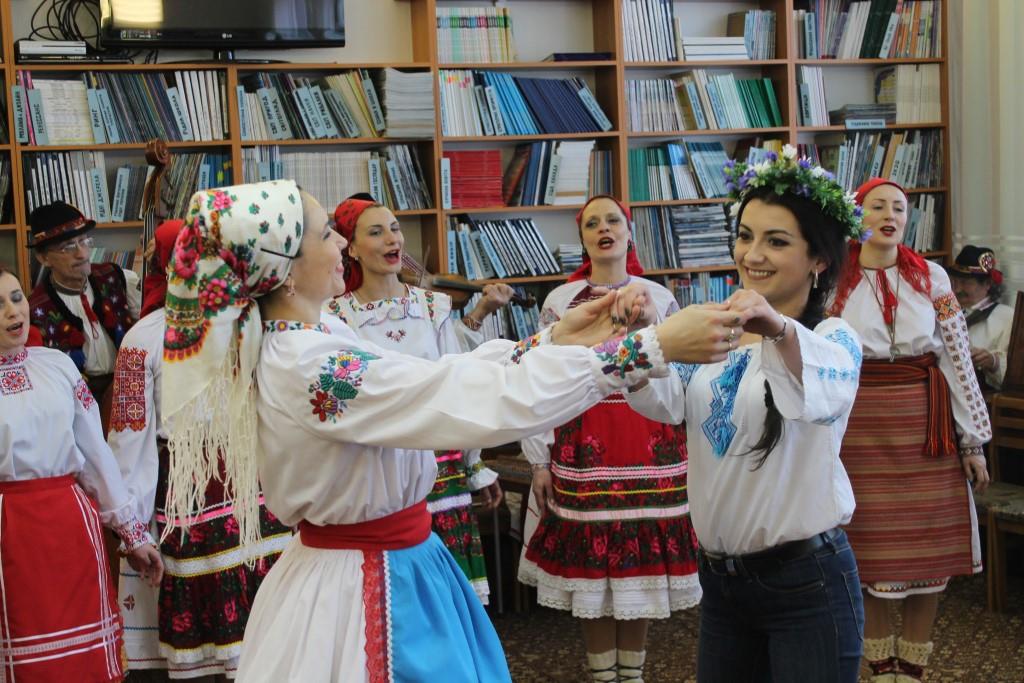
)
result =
(767, 560)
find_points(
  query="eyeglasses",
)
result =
(72, 246)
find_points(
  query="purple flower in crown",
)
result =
(830, 175)
(730, 186)
(773, 157)
(730, 164)
(803, 162)
(858, 211)
(866, 235)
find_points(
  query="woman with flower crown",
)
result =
(915, 436)
(614, 544)
(333, 426)
(768, 493)
(383, 310)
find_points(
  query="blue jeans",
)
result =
(786, 622)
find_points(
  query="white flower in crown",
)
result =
(818, 171)
(850, 198)
(734, 209)
(761, 167)
(788, 152)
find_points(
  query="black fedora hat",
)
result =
(57, 222)
(977, 262)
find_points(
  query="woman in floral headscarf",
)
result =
(364, 586)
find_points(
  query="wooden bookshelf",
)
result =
(607, 77)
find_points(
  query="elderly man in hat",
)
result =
(978, 286)
(81, 308)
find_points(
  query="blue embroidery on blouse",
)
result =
(719, 428)
(843, 338)
(685, 371)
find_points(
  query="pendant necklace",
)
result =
(890, 325)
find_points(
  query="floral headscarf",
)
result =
(237, 245)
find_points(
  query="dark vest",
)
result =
(63, 330)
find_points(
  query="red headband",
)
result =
(633, 265)
(345, 216)
(154, 287)
(864, 189)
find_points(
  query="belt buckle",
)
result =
(730, 566)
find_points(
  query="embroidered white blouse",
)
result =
(418, 324)
(341, 420)
(537, 449)
(100, 352)
(50, 427)
(924, 325)
(135, 422)
(802, 489)
(993, 335)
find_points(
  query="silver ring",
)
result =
(732, 344)
(732, 334)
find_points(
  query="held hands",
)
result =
(146, 560)
(633, 307)
(588, 324)
(759, 316)
(490, 496)
(700, 333)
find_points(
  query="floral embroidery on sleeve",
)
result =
(523, 346)
(946, 306)
(129, 409)
(84, 396)
(624, 355)
(339, 382)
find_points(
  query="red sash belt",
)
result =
(44, 484)
(941, 437)
(403, 529)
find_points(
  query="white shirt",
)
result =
(993, 335)
(418, 324)
(802, 489)
(537, 449)
(50, 427)
(925, 325)
(99, 349)
(344, 461)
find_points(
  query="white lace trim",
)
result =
(459, 500)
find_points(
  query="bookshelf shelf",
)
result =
(121, 146)
(523, 138)
(125, 225)
(723, 64)
(683, 202)
(78, 67)
(529, 66)
(544, 208)
(335, 141)
(888, 126)
(8, 227)
(415, 212)
(926, 190)
(714, 132)
(6, 147)
(724, 268)
(332, 66)
(870, 62)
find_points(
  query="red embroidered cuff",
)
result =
(133, 535)
(968, 451)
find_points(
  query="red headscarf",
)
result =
(912, 266)
(345, 216)
(633, 265)
(154, 287)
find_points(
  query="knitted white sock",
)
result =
(631, 666)
(602, 666)
(913, 657)
(881, 656)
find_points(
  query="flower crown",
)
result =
(785, 173)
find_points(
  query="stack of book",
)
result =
(701, 235)
(924, 224)
(696, 100)
(661, 173)
(408, 103)
(487, 103)
(863, 115)
(186, 173)
(127, 259)
(714, 48)
(511, 322)
(392, 174)
(474, 34)
(650, 29)
(555, 173)
(480, 249)
(913, 89)
(569, 256)
(707, 160)
(885, 29)
(116, 107)
(702, 288)
(811, 88)
(474, 177)
(912, 158)
(652, 237)
(600, 172)
(758, 30)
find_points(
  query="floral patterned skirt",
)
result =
(208, 586)
(617, 539)
(450, 505)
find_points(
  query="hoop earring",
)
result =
(289, 286)
(814, 285)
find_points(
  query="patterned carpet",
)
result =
(972, 645)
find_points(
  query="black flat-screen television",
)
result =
(222, 25)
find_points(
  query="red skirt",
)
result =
(60, 620)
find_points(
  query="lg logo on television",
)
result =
(226, 36)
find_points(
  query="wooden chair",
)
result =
(1001, 508)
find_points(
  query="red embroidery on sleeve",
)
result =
(129, 409)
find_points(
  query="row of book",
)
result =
(702, 288)
(653, 33)
(912, 158)
(492, 103)
(474, 34)
(682, 236)
(512, 247)
(569, 256)
(6, 194)
(697, 100)
(100, 107)
(869, 29)
(80, 178)
(904, 93)
(510, 322)
(126, 258)
(924, 224)
(566, 172)
(282, 106)
(392, 174)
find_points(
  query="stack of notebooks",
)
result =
(885, 29)
(854, 114)
(569, 256)
(511, 322)
(661, 173)
(474, 178)
(913, 89)
(392, 174)
(714, 48)
(701, 235)
(408, 103)
(100, 107)
(650, 30)
(811, 89)
(475, 103)
(758, 30)
(652, 237)
(553, 173)
(480, 249)
(474, 34)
